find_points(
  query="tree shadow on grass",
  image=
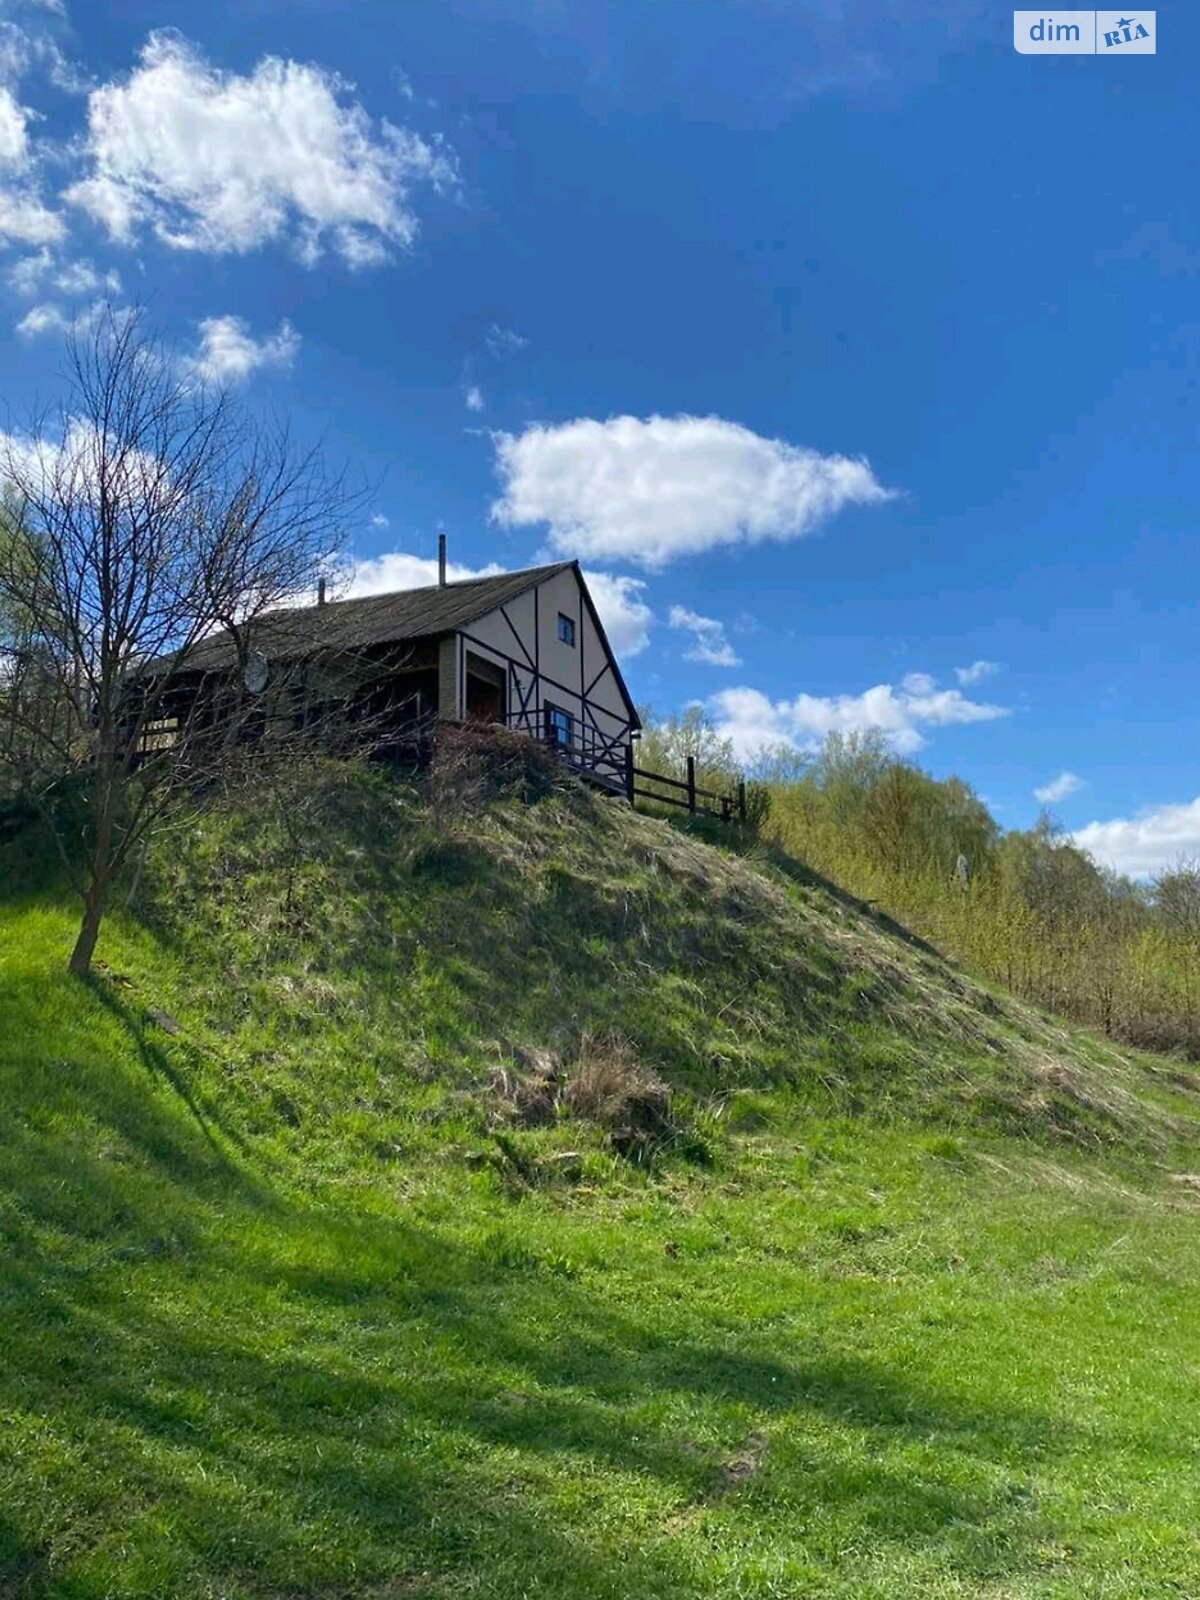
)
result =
(333, 1405)
(158, 1063)
(23, 1567)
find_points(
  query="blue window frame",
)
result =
(566, 629)
(560, 727)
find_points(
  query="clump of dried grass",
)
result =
(607, 1084)
(527, 1088)
(474, 762)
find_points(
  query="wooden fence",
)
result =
(607, 760)
(685, 793)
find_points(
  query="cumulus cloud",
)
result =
(219, 162)
(41, 320)
(1145, 844)
(918, 683)
(70, 453)
(625, 615)
(397, 569)
(43, 270)
(380, 521)
(229, 353)
(1059, 788)
(652, 490)
(754, 723)
(709, 643)
(976, 672)
(473, 397)
(81, 277)
(49, 318)
(24, 216)
(14, 140)
(25, 219)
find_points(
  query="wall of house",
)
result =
(576, 678)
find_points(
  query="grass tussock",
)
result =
(605, 1085)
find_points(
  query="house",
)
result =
(525, 650)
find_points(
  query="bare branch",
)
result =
(149, 514)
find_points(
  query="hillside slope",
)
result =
(438, 1194)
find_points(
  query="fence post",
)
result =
(629, 773)
(691, 783)
(741, 799)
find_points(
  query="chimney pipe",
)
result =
(320, 591)
(441, 560)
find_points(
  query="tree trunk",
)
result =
(95, 895)
(89, 932)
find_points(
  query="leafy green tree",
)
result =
(667, 742)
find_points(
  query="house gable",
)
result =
(524, 632)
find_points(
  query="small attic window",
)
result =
(566, 629)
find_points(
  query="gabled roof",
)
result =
(373, 619)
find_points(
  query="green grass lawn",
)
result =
(288, 1308)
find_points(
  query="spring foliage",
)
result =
(1032, 911)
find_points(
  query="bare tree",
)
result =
(152, 512)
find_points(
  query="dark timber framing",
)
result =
(598, 751)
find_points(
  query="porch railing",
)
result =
(609, 760)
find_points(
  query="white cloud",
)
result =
(654, 490)
(81, 277)
(918, 683)
(219, 162)
(69, 455)
(229, 353)
(709, 643)
(43, 269)
(49, 318)
(396, 569)
(754, 723)
(21, 50)
(976, 672)
(625, 615)
(26, 275)
(1147, 843)
(380, 521)
(24, 218)
(23, 454)
(42, 320)
(14, 140)
(1059, 788)
(473, 397)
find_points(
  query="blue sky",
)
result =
(854, 351)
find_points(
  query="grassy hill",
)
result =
(439, 1194)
